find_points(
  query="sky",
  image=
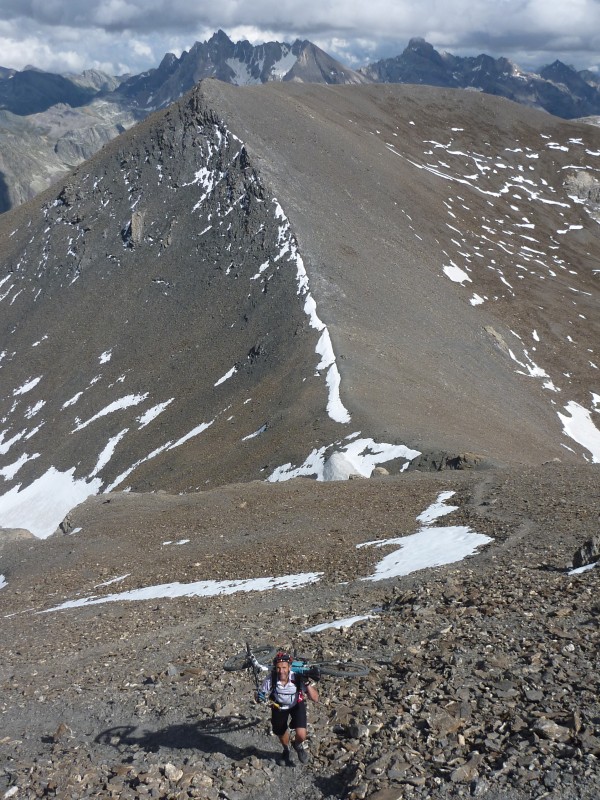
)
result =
(130, 36)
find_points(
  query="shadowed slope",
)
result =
(154, 331)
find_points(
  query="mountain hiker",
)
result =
(287, 693)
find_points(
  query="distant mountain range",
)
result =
(557, 88)
(68, 117)
(239, 64)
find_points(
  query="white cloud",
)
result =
(141, 49)
(68, 35)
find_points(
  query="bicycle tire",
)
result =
(264, 652)
(341, 669)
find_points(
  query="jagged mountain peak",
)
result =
(558, 64)
(422, 49)
(220, 36)
(418, 44)
(235, 63)
(558, 70)
(169, 60)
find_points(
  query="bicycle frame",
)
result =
(255, 664)
(299, 667)
(302, 667)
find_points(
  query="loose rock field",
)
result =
(483, 674)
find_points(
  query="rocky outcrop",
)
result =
(588, 553)
(436, 462)
(584, 186)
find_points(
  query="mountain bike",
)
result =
(260, 660)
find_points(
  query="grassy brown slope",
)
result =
(416, 359)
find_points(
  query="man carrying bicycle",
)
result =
(287, 693)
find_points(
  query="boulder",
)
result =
(379, 472)
(588, 553)
(436, 461)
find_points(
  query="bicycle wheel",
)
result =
(341, 669)
(262, 653)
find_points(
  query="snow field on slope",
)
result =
(429, 547)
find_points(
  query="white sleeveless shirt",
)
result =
(285, 695)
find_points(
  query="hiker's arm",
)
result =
(262, 695)
(311, 692)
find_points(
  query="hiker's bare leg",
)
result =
(285, 738)
(300, 735)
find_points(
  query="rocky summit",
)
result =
(313, 367)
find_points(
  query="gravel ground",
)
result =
(483, 674)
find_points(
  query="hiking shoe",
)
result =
(302, 751)
(284, 760)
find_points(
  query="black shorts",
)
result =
(279, 718)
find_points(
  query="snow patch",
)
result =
(41, 506)
(585, 568)
(578, 425)
(456, 274)
(72, 401)
(118, 579)
(124, 402)
(106, 454)
(27, 386)
(429, 547)
(11, 470)
(437, 509)
(195, 589)
(152, 413)
(360, 455)
(226, 377)
(288, 248)
(339, 623)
